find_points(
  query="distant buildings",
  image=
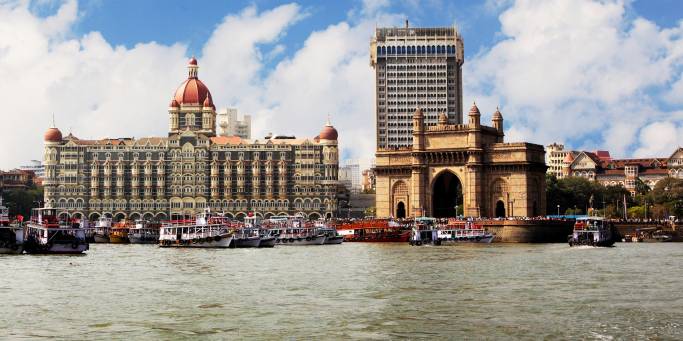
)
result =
(16, 179)
(349, 176)
(369, 181)
(415, 67)
(37, 168)
(230, 125)
(601, 167)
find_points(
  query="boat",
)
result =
(294, 232)
(205, 232)
(247, 234)
(374, 231)
(102, 229)
(118, 234)
(144, 232)
(331, 234)
(460, 231)
(266, 238)
(45, 234)
(593, 231)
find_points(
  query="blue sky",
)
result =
(592, 74)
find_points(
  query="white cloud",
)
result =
(578, 71)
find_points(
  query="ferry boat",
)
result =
(144, 232)
(118, 234)
(4, 214)
(459, 231)
(331, 234)
(374, 231)
(266, 238)
(205, 232)
(593, 231)
(295, 232)
(102, 229)
(45, 234)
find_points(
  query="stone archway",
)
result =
(399, 195)
(447, 195)
(400, 210)
(500, 209)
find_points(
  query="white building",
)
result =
(230, 125)
(554, 159)
(36, 167)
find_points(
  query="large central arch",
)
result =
(447, 195)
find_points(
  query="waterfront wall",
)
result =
(529, 231)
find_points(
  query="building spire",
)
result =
(53, 121)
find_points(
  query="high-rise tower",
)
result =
(415, 68)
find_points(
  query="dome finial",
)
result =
(192, 68)
(328, 121)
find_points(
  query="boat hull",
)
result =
(486, 239)
(12, 250)
(246, 242)
(317, 240)
(380, 238)
(118, 240)
(98, 238)
(58, 249)
(224, 242)
(334, 240)
(267, 242)
(142, 240)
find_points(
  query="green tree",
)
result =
(21, 201)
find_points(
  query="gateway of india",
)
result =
(428, 161)
(191, 169)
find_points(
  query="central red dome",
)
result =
(192, 91)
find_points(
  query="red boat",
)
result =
(374, 231)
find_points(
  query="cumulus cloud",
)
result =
(582, 71)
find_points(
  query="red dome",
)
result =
(328, 133)
(53, 135)
(208, 103)
(193, 61)
(192, 91)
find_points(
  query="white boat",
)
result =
(464, 232)
(47, 235)
(102, 230)
(205, 232)
(248, 235)
(144, 232)
(593, 231)
(293, 231)
(331, 234)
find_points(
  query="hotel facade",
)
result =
(191, 169)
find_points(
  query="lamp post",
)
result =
(558, 210)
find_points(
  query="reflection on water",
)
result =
(379, 291)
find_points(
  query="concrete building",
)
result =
(460, 168)
(349, 176)
(598, 166)
(415, 67)
(35, 166)
(554, 159)
(230, 125)
(191, 169)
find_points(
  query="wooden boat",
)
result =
(46, 234)
(144, 232)
(374, 231)
(293, 231)
(206, 232)
(102, 229)
(119, 233)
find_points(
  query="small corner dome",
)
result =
(53, 135)
(497, 115)
(193, 61)
(328, 133)
(474, 110)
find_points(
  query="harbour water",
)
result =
(359, 291)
